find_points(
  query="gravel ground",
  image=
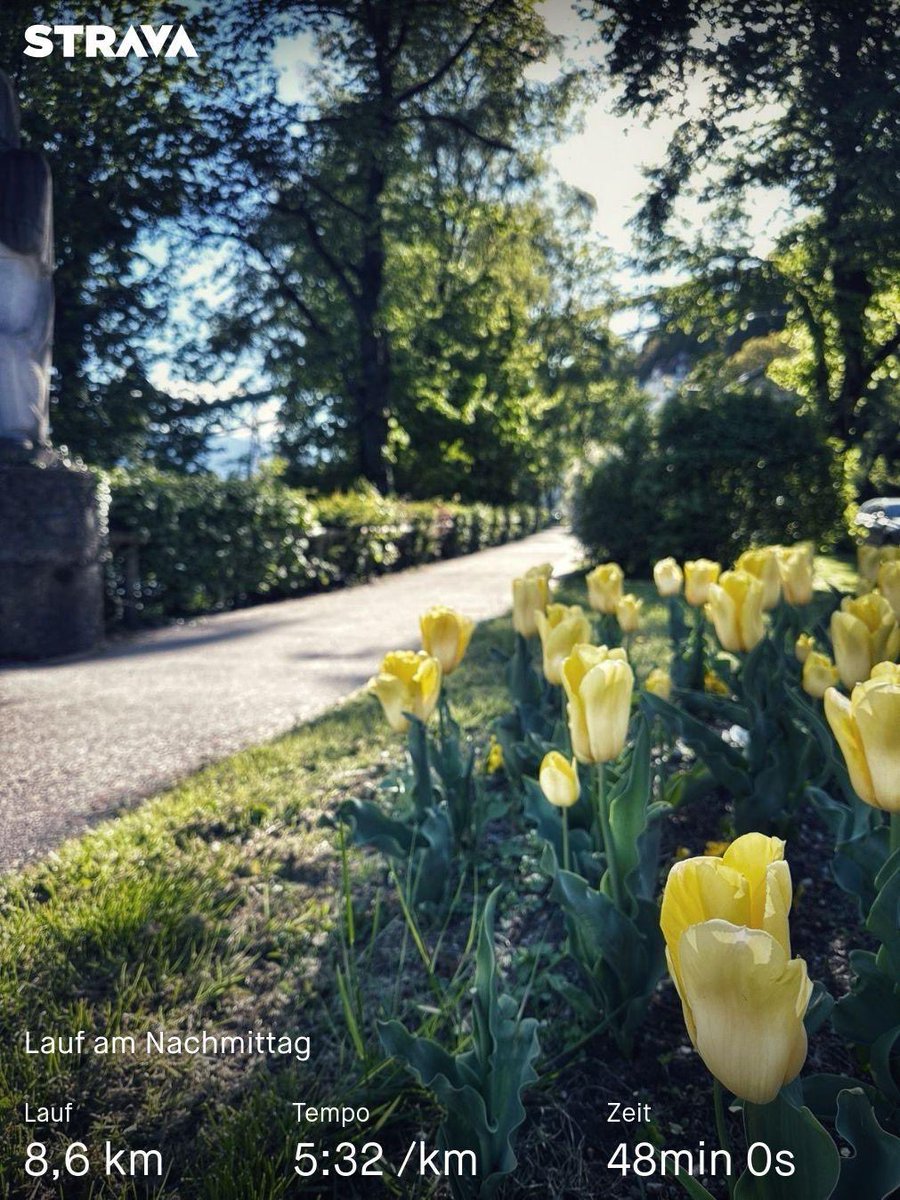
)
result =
(80, 738)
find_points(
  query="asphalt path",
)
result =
(81, 738)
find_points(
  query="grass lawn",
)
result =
(218, 906)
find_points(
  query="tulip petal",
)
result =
(876, 714)
(697, 890)
(747, 1001)
(760, 860)
(840, 717)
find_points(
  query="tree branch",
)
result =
(424, 85)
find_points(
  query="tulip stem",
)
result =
(895, 832)
(565, 839)
(612, 865)
(722, 1125)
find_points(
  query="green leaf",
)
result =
(783, 1126)
(874, 1170)
(725, 763)
(694, 1189)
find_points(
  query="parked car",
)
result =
(878, 521)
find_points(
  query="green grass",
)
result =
(215, 905)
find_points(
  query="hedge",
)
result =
(181, 545)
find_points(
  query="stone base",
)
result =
(51, 573)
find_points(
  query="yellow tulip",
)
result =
(559, 780)
(598, 684)
(863, 633)
(668, 577)
(870, 558)
(804, 646)
(736, 609)
(725, 924)
(867, 729)
(409, 682)
(819, 674)
(628, 613)
(796, 566)
(445, 636)
(763, 563)
(698, 576)
(561, 628)
(531, 593)
(889, 584)
(605, 585)
(659, 683)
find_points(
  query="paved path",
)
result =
(82, 737)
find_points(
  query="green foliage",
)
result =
(870, 1014)
(480, 1089)
(123, 141)
(714, 472)
(832, 275)
(430, 813)
(612, 931)
(783, 1125)
(206, 544)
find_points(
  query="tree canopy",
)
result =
(795, 95)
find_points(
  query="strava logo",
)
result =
(102, 41)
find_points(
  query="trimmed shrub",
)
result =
(712, 474)
(188, 544)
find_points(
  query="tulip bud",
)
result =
(819, 674)
(889, 584)
(725, 924)
(531, 592)
(494, 761)
(561, 628)
(445, 636)
(763, 563)
(408, 682)
(628, 613)
(735, 608)
(715, 684)
(867, 729)
(796, 566)
(604, 586)
(668, 577)
(804, 646)
(659, 683)
(863, 633)
(698, 576)
(598, 684)
(559, 780)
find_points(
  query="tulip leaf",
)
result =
(785, 1127)
(481, 1088)
(874, 1169)
(819, 1008)
(885, 1052)
(884, 917)
(873, 1006)
(820, 1093)
(726, 764)
(629, 815)
(694, 1189)
(621, 958)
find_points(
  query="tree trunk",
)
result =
(852, 294)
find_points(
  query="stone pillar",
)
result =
(51, 561)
